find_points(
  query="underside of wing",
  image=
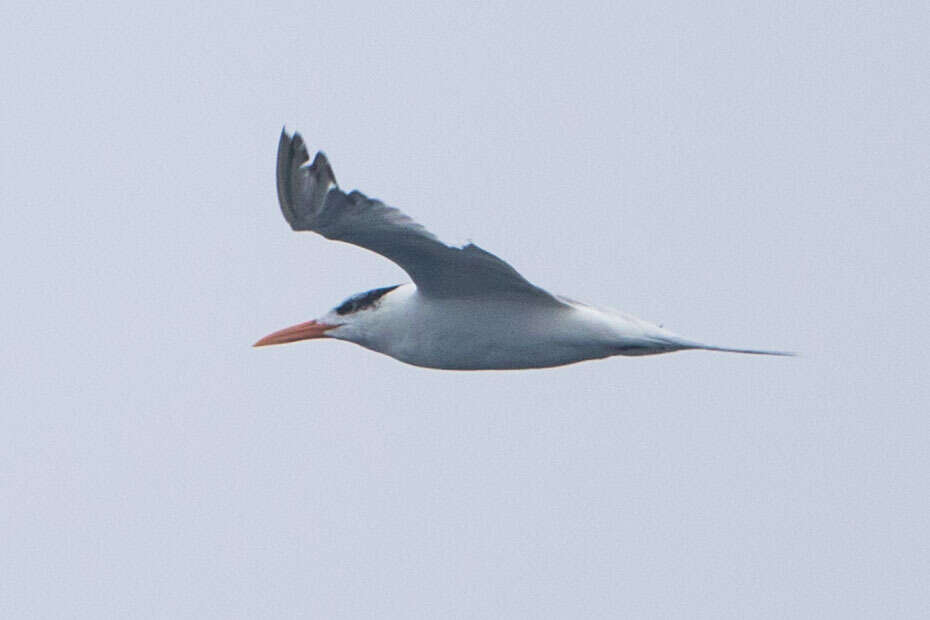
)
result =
(311, 200)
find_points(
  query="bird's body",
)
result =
(466, 310)
(496, 333)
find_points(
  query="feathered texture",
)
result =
(311, 200)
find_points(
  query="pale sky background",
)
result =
(746, 176)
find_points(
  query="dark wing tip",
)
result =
(302, 189)
(321, 169)
(292, 151)
(299, 153)
(283, 172)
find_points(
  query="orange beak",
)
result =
(304, 331)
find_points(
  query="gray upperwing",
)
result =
(311, 200)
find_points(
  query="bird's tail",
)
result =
(689, 344)
(748, 351)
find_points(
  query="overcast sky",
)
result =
(750, 177)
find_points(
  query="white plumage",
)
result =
(466, 308)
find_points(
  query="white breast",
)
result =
(476, 334)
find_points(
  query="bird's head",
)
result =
(350, 320)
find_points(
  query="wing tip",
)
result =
(302, 187)
(291, 147)
(293, 153)
(287, 151)
(322, 170)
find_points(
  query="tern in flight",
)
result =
(466, 309)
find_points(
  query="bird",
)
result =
(465, 309)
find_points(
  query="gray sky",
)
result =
(745, 176)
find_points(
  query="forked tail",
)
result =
(690, 344)
(749, 351)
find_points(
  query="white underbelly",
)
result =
(467, 336)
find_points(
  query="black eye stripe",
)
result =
(363, 300)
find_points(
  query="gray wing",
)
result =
(311, 200)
